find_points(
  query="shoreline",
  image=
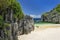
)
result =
(44, 26)
(43, 33)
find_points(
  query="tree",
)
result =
(6, 3)
(13, 5)
(16, 10)
(58, 8)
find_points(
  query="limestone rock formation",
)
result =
(27, 24)
(12, 20)
(52, 16)
(14, 28)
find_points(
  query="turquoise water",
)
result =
(43, 23)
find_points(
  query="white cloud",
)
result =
(36, 16)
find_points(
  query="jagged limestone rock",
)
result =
(26, 25)
(14, 28)
(53, 17)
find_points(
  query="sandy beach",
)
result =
(44, 32)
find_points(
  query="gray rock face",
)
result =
(53, 17)
(15, 28)
(27, 24)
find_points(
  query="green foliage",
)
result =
(45, 14)
(11, 4)
(53, 15)
(58, 8)
(6, 3)
(17, 10)
(1, 18)
(6, 24)
(1, 21)
(52, 12)
(6, 28)
(7, 32)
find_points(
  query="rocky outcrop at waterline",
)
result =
(52, 16)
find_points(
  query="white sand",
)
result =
(46, 34)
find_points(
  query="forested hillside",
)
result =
(52, 16)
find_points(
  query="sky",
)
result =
(36, 8)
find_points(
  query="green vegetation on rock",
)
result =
(10, 11)
(52, 16)
(58, 8)
(12, 5)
